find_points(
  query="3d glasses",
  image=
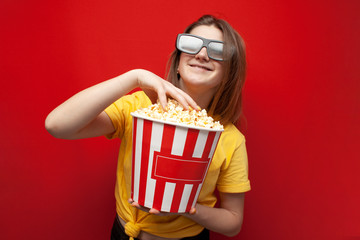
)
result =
(192, 44)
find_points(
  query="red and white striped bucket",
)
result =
(169, 163)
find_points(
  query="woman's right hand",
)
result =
(158, 89)
(83, 116)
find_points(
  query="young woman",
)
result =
(207, 70)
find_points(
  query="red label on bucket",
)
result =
(177, 169)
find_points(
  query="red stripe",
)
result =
(168, 138)
(192, 196)
(144, 160)
(159, 194)
(190, 142)
(133, 156)
(177, 197)
(208, 145)
(166, 145)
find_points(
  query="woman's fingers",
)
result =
(191, 103)
(138, 206)
(192, 211)
(150, 82)
(154, 211)
(162, 97)
(149, 210)
(179, 95)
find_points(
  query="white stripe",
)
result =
(200, 144)
(185, 197)
(197, 195)
(213, 147)
(138, 148)
(155, 145)
(179, 141)
(168, 196)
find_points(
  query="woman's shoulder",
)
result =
(232, 131)
(232, 136)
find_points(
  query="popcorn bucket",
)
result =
(169, 163)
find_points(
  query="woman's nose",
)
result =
(203, 55)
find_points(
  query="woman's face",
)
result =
(199, 73)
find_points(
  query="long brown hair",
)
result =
(226, 104)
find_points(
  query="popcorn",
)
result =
(177, 114)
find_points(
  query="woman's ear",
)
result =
(178, 74)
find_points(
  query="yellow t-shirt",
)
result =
(228, 172)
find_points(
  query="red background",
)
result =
(301, 103)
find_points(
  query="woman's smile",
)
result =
(200, 67)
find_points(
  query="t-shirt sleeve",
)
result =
(119, 112)
(233, 176)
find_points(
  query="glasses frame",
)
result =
(205, 44)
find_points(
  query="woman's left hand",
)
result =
(155, 211)
(226, 219)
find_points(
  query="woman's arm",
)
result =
(83, 115)
(227, 219)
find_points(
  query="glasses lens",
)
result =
(189, 44)
(215, 50)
